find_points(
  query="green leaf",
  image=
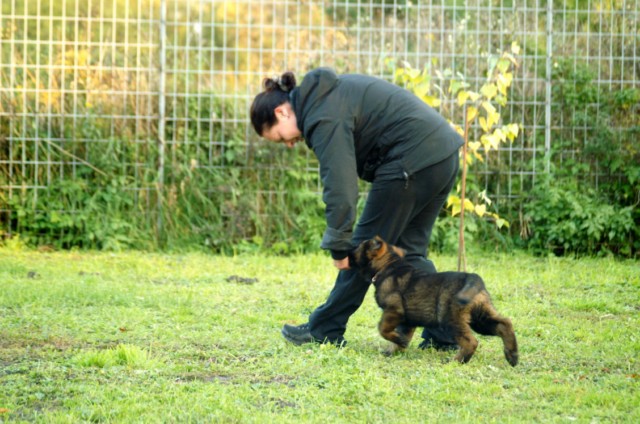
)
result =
(503, 65)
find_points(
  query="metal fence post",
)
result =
(161, 121)
(549, 66)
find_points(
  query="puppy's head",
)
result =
(374, 254)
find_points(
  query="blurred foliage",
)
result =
(79, 142)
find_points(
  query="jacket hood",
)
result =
(315, 86)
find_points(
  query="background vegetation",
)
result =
(79, 128)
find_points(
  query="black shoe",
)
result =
(297, 335)
(437, 345)
(300, 334)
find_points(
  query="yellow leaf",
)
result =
(474, 146)
(454, 203)
(398, 72)
(483, 196)
(473, 95)
(453, 200)
(515, 48)
(510, 58)
(422, 88)
(469, 160)
(504, 81)
(488, 107)
(502, 223)
(490, 141)
(483, 123)
(472, 112)
(495, 141)
(413, 74)
(501, 135)
(489, 90)
(502, 88)
(468, 205)
(431, 101)
(493, 118)
(462, 97)
(508, 76)
(458, 128)
(480, 210)
(503, 64)
(512, 131)
(485, 142)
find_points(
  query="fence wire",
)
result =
(84, 79)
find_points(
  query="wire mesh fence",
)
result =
(157, 92)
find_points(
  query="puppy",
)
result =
(456, 302)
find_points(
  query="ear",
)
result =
(399, 251)
(282, 111)
(376, 243)
(379, 240)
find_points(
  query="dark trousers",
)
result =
(403, 213)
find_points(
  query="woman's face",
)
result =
(285, 130)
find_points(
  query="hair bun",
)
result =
(286, 82)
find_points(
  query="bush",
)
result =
(567, 219)
(80, 213)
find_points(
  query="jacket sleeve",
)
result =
(332, 142)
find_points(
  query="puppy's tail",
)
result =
(473, 285)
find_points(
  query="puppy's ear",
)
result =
(353, 260)
(399, 251)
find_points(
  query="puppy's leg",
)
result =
(486, 320)
(407, 331)
(402, 330)
(392, 317)
(465, 339)
(505, 331)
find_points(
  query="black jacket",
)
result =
(361, 126)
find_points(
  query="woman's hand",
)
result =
(341, 264)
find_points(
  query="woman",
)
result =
(363, 127)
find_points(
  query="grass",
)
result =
(139, 337)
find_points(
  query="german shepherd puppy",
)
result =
(456, 302)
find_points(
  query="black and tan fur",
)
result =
(456, 302)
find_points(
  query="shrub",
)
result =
(567, 219)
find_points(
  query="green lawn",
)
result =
(139, 337)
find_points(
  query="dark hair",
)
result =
(276, 92)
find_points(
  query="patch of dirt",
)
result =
(241, 280)
(206, 378)
(282, 404)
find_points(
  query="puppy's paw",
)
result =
(392, 349)
(512, 357)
